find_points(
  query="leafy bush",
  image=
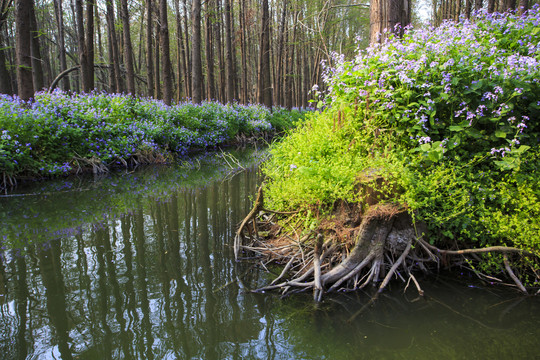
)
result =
(448, 116)
(51, 134)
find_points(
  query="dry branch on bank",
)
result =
(386, 244)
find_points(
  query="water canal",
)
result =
(140, 266)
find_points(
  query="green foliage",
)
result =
(53, 133)
(447, 116)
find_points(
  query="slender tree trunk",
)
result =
(83, 52)
(37, 67)
(90, 44)
(128, 52)
(229, 52)
(278, 79)
(23, 48)
(114, 52)
(58, 12)
(211, 93)
(523, 6)
(478, 5)
(264, 81)
(386, 14)
(243, 48)
(165, 57)
(196, 61)
(219, 47)
(5, 76)
(189, 65)
(468, 9)
(157, 86)
(181, 54)
(149, 47)
(510, 5)
(234, 62)
(289, 97)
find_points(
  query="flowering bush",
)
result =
(53, 133)
(448, 116)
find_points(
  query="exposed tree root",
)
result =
(383, 244)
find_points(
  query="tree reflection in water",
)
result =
(154, 278)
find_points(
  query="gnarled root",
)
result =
(381, 230)
(386, 245)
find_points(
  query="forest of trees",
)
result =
(248, 51)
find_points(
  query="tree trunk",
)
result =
(468, 8)
(165, 57)
(211, 93)
(188, 51)
(217, 32)
(196, 62)
(278, 80)
(264, 81)
(128, 52)
(229, 55)
(523, 6)
(23, 48)
(5, 76)
(510, 5)
(181, 54)
(83, 52)
(149, 47)
(243, 48)
(390, 16)
(157, 85)
(61, 41)
(90, 43)
(37, 67)
(478, 4)
(114, 53)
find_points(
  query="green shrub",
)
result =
(448, 116)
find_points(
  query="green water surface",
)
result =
(140, 266)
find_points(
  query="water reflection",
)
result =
(155, 279)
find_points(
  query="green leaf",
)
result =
(455, 128)
(500, 134)
(425, 147)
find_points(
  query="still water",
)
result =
(140, 266)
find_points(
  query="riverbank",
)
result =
(427, 154)
(60, 133)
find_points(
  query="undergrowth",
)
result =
(57, 132)
(448, 117)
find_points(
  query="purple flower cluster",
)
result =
(467, 82)
(56, 130)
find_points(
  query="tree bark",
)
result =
(196, 62)
(523, 6)
(5, 76)
(58, 12)
(188, 51)
(211, 93)
(90, 44)
(221, 89)
(83, 52)
(181, 55)
(149, 47)
(23, 48)
(264, 81)
(157, 73)
(37, 67)
(165, 57)
(115, 77)
(388, 16)
(128, 52)
(229, 55)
